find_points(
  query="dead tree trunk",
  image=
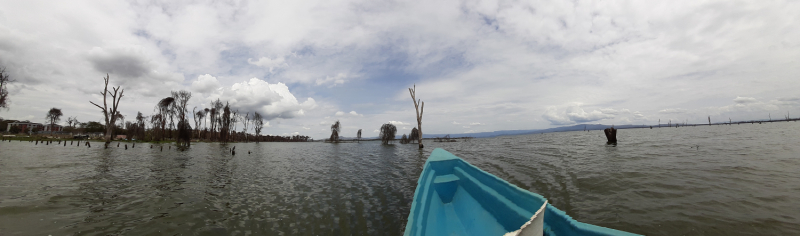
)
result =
(611, 135)
(419, 106)
(110, 113)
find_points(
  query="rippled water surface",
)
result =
(719, 180)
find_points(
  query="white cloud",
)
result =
(475, 123)
(351, 113)
(744, 100)
(672, 111)
(577, 114)
(205, 84)
(398, 123)
(572, 114)
(338, 79)
(266, 62)
(456, 123)
(272, 100)
(552, 115)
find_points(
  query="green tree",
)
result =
(92, 127)
(54, 115)
(414, 135)
(388, 132)
(15, 129)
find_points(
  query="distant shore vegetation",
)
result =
(169, 122)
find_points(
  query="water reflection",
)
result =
(652, 183)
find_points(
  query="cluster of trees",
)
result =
(411, 137)
(219, 122)
(388, 131)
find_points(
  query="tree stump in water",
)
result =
(611, 135)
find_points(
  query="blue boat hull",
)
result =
(454, 197)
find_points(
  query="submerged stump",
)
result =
(611, 135)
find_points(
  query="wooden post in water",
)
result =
(126, 146)
(611, 135)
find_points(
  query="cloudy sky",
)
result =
(478, 65)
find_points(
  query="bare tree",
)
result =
(245, 122)
(258, 124)
(419, 106)
(214, 119)
(140, 126)
(234, 120)
(120, 119)
(4, 81)
(109, 113)
(131, 128)
(205, 114)
(404, 139)
(225, 123)
(72, 122)
(212, 114)
(198, 118)
(184, 129)
(358, 136)
(155, 121)
(164, 108)
(53, 116)
(388, 132)
(335, 129)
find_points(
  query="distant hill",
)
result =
(579, 127)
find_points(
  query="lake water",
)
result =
(718, 180)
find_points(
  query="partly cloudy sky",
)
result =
(478, 65)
